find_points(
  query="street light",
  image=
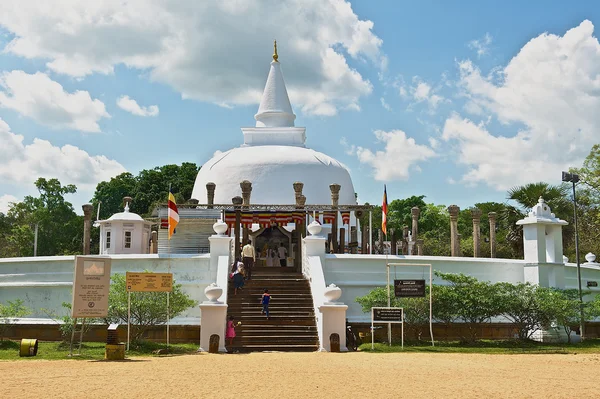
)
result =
(573, 178)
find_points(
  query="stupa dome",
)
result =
(273, 157)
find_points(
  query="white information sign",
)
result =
(90, 286)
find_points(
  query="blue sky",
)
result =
(457, 102)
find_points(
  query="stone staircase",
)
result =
(291, 326)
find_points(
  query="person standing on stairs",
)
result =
(282, 255)
(230, 332)
(265, 300)
(248, 257)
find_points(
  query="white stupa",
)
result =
(273, 157)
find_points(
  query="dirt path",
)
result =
(307, 375)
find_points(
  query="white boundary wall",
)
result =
(46, 282)
(356, 275)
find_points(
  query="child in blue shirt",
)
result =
(265, 299)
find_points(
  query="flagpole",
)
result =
(387, 265)
(169, 264)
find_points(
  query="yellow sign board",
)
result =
(149, 282)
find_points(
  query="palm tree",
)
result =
(555, 196)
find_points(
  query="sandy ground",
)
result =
(308, 375)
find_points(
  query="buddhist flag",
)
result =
(173, 215)
(384, 211)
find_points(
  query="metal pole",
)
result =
(582, 318)
(168, 316)
(431, 306)
(35, 240)
(128, 318)
(370, 232)
(372, 332)
(389, 300)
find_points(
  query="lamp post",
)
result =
(573, 178)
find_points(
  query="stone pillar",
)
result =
(335, 197)
(154, 242)
(193, 202)
(353, 244)
(342, 240)
(393, 249)
(454, 239)
(420, 247)
(246, 187)
(298, 186)
(300, 228)
(87, 227)
(415, 211)
(237, 202)
(404, 240)
(210, 194)
(380, 241)
(364, 241)
(359, 226)
(476, 215)
(492, 220)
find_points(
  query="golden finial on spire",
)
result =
(275, 56)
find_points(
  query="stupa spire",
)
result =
(275, 109)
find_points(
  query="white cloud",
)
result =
(401, 154)
(24, 163)
(548, 94)
(203, 49)
(130, 105)
(481, 46)
(6, 201)
(385, 105)
(423, 92)
(349, 149)
(44, 100)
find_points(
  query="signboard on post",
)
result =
(90, 286)
(386, 315)
(149, 282)
(409, 288)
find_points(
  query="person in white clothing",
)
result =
(248, 257)
(282, 255)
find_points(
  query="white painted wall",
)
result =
(46, 282)
(356, 275)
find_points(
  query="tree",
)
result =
(416, 310)
(147, 308)
(60, 230)
(111, 194)
(589, 173)
(148, 189)
(528, 195)
(399, 212)
(524, 305)
(467, 300)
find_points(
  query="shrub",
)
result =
(416, 310)
(147, 308)
(10, 313)
(466, 300)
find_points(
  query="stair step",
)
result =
(276, 348)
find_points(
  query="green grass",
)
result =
(9, 350)
(487, 347)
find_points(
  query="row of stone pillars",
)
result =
(454, 210)
(244, 202)
(412, 245)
